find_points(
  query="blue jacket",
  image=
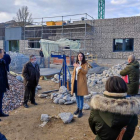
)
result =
(7, 59)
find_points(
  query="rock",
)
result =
(73, 99)
(87, 96)
(66, 117)
(61, 101)
(53, 95)
(42, 95)
(94, 93)
(56, 76)
(39, 87)
(45, 117)
(67, 98)
(86, 106)
(68, 103)
(56, 101)
(43, 124)
(56, 82)
(62, 89)
(53, 79)
(60, 96)
(19, 78)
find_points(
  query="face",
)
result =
(80, 57)
(33, 59)
(1, 54)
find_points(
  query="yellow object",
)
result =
(50, 23)
(13, 73)
(41, 77)
(59, 23)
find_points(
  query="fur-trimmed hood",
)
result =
(125, 106)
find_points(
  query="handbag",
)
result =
(126, 79)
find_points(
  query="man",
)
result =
(41, 58)
(3, 81)
(132, 70)
(7, 59)
(31, 74)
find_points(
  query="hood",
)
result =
(135, 64)
(127, 106)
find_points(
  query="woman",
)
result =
(79, 82)
(113, 111)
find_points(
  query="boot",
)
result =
(25, 105)
(34, 103)
(80, 114)
(3, 115)
(76, 112)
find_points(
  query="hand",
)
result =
(75, 65)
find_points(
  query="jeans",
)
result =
(79, 99)
(1, 98)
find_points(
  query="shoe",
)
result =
(3, 115)
(34, 103)
(25, 105)
(76, 112)
(80, 114)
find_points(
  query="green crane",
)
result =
(101, 9)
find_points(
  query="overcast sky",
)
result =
(45, 8)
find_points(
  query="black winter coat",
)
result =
(132, 70)
(3, 77)
(109, 115)
(7, 59)
(31, 74)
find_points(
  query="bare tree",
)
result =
(23, 16)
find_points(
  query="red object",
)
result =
(126, 79)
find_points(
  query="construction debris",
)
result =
(13, 98)
(66, 117)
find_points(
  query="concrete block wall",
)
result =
(105, 30)
(23, 48)
(1, 44)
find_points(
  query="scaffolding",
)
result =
(74, 27)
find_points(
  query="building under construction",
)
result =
(105, 38)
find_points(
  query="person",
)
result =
(2, 137)
(31, 74)
(112, 111)
(7, 59)
(41, 57)
(79, 82)
(132, 70)
(3, 81)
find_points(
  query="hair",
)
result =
(131, 57)
(116, 84)
(1, 50)
(31, 56)
(83, 61)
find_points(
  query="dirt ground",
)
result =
(23, 124)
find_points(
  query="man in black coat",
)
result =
(3, 81)
(7, 59)
(31, 74)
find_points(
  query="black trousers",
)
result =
(29, 94)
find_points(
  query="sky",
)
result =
(47, 8)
